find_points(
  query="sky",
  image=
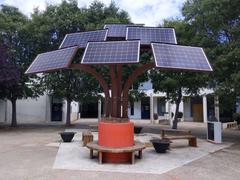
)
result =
(149, 12)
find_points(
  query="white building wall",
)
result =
(155, 105)
(34, 110)
(187, 110)
(3, 108)
(74, 110)
(137, 111)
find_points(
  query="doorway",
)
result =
(145, 108)
(197, 112)
(56, 109)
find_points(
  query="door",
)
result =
(89, 110)
(145, 108)
(197, 112)
(56, 111)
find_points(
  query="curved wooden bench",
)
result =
(100, 149)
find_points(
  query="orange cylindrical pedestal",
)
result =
(116, 135)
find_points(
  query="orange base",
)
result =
(116, 135)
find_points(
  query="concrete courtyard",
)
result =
(29, 152)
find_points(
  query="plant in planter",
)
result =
(67, 136)
(179, 116)
(160, 145)
(137, 129)
(236, 117)
(155, 116)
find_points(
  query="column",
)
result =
(205, 117)
(99, 109)
(216, 107)
(151, 108)
(169, 112)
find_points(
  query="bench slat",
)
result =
(179, 137)
(94, 145)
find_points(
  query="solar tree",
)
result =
(114, 46)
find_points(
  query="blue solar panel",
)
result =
(169, 56)
(147, 35)
(112, 52)
(52, 60)
(118, 30)
(82, 38)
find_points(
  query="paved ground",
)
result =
(29, 152)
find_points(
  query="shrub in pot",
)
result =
(137, 129)
(180, 115)
(236, 117)
(161, 145)
(155, 116)
(67, 136)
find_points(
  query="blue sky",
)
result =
(149, 12)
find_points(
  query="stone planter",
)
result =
(137, 129)
(160, 145)
(67, 136)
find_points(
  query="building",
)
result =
(44, 109)
(47, 109)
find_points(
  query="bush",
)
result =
(155, 116)
(236, 117)
(180, 114)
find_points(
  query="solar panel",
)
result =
(117, 52)
(52, 60)
(118, 30)
(180, 57)
(82, 38)
(147, 35)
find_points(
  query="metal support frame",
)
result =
(119, 94)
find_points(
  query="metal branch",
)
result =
(102, 82)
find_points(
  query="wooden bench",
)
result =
(87, 137)
(101, 149)
(174, 134)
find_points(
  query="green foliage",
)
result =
(236, 117)
(218, 25)
(71, 85)
(12, 25)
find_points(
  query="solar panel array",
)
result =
(118, 30)
(112, 52)
(180, 57)
(82, 38)
(147, 35)
(52, 60)
(100, 50)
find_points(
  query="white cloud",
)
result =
(149, 12)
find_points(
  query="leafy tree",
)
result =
(12, 23)
(48, 28)
(175, 84)
(71, 86)
(8, 74)
(218, 25)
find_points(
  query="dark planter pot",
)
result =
(67, 136)
(137, 129)
(160, 145)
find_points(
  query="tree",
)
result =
(12, 24)
(218, 25)
(48, 28)
(175, 84)
(71, 86)
(9, 74)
